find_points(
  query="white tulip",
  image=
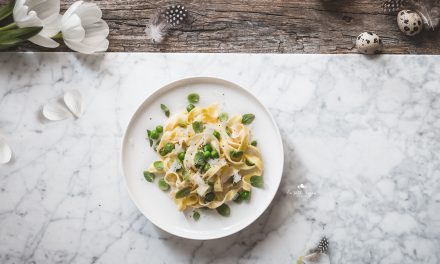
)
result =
(39, 13)
(83, 29)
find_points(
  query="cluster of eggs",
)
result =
(409, 22)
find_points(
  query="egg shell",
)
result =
(369, 43)
(409, 22)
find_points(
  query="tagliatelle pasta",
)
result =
(206, 158)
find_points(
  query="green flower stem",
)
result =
(58, 36)
(7, 27)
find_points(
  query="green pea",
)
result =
(169, 147)
(257, 181)
(149, 176)
(190, 107)
(181, 156)
(183, 192)
(193, 98)
(216, 134)
(254, 143)
(207, 147)
(163, 185)
(214, 154)
(209, 197)
(154, 134)
(236, 154)
(206, 154)
(159, 129)
(196, 216)
(206, 167)
(166, 149)
(224, 210)
(245, 195)
(223, 117)
(158, 165)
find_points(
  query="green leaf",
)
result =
(209, 197)
(165, 109)
(254, 143)
(6, 10)
(166, 149)
(199, 159)
(236, 154)
(15, 36)
(257, 181)
(149, 176)
(247, 119)
(149, 137)
(193, 98)
(185, 174)
(158, 165)
(223, 117)
(190, 107)
(249, 163)
(216, 134)
(163, 185)
(196, 215)
(224, 210)
(183, 192)
(197, 126)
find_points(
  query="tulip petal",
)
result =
(45, 8)
(72, 9)
(89, 13)
(96, 32)
(29, 20)
(72, 29)
(51, 25)
(83, 29)
(44, 41)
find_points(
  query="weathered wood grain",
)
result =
(260, 26)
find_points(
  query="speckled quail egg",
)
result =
(409, 22)
(369, 43)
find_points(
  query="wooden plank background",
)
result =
(260, 26)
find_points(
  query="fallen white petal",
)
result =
(42, 41)
(55, 112)
(73, 100)
(5, 152)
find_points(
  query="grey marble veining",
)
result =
(361, 134)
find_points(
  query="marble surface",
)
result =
(361, 134)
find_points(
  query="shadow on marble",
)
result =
(282, 209)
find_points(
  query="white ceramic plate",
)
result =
(137, 155)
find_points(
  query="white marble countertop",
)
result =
(361, 134)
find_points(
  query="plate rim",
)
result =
(166, 87)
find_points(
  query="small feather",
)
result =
(156, 29)
(429, 10)
(390, 6)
